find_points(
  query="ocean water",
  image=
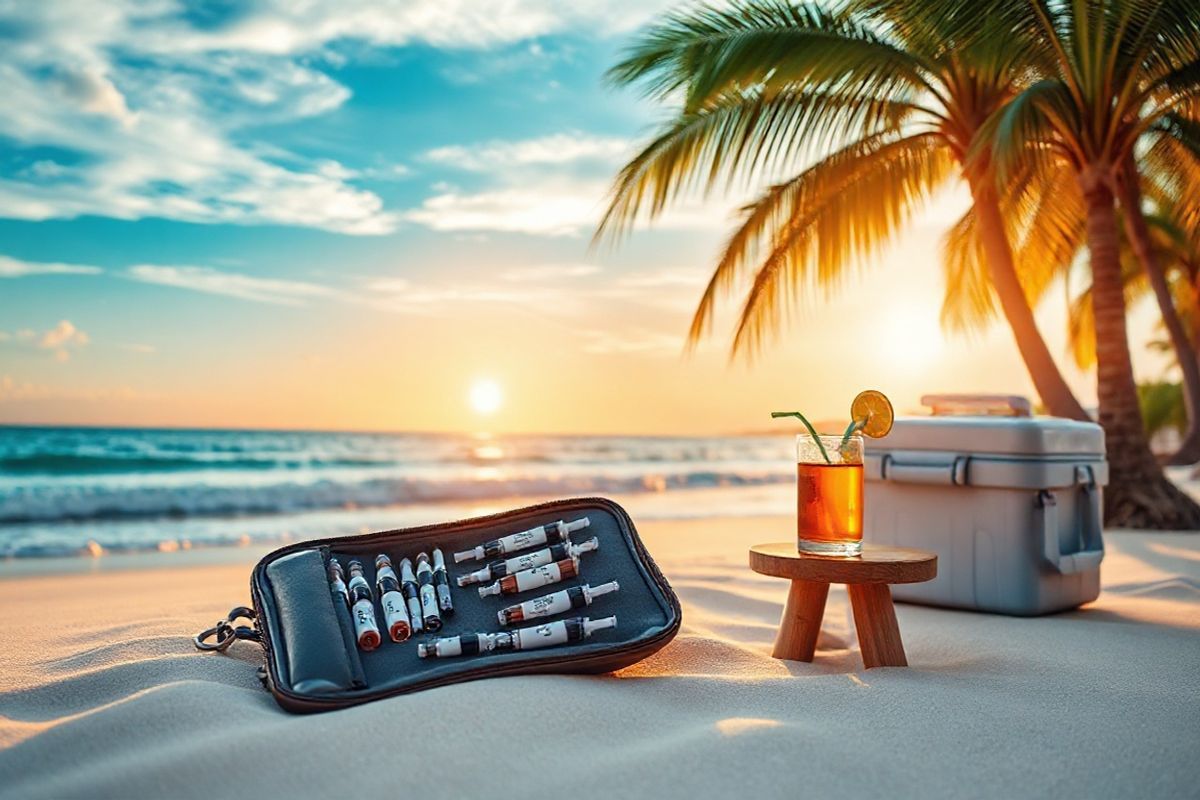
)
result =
(68, 491)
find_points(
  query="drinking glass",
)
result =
(829, 495)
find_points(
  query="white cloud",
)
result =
(159, 108)
(63, 334)
(61, 340)
(557, 149)
(231, 284)
(668, 277)
(542, 272)
(632, 342)
(403, 297)
(549, 205)
(13, 268)
(557, 208)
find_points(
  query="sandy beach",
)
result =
(102, 695)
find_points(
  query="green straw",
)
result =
(811, 430)
(851, 429)
(854, 426)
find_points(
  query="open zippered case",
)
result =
(313, 661)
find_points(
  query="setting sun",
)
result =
(486, 397)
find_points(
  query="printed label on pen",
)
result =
(551, 633)
(539, 576)
(547, 605)
(519, 541)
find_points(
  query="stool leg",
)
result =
(875, 619)
(801, 622)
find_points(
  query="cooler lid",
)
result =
(1025, 436)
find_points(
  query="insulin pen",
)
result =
(538, 558)
(395, 614)
(550, 604)
(363, 610)
(534, 578)
(337, 582)
(552, 532)
(429, 603)
(441, 582)
(547, 634)
(412, 595)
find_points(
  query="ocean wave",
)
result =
(114, 463)
(82, 503)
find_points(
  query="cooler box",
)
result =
(1011, 505)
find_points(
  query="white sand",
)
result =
(102, 695)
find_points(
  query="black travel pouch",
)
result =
(312, 659)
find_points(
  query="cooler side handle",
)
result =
(1091, 552)
(952, 474)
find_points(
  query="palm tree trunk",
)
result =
(1138, 494)
(1139, 239)
(1047, 379)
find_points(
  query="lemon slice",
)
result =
(872, 413)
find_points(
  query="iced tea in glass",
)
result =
(829, 495)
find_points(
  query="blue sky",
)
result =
(247, 214)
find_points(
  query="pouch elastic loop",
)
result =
(226, 632)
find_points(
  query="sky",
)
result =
(343, 215)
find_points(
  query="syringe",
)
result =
(501, 567)
(534, 578)
(550, 604)
(548, 634)
(552, 532)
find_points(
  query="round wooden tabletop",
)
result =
(877, 564)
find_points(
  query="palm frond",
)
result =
(1031, 117)
(969, 302)
(845, 210)
(745, 135)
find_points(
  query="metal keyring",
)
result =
(226, 632)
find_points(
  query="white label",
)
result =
(529, 560)
(448, 647)
(414, 613)
(393, 609)
(519, 541)
(364, 618)
(542, 636)
(429, 600)
(546, 605)
(540, 576)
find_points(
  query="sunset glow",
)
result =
(384, 268)
(486, 397)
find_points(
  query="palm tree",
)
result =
(1046, 219)
(1137, 231)
(1178, 252)
(1119, 67)
(885, 101)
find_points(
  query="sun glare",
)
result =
(486, 397)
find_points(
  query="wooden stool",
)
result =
(867, 578)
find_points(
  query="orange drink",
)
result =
(829, 495)
(829, 477)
